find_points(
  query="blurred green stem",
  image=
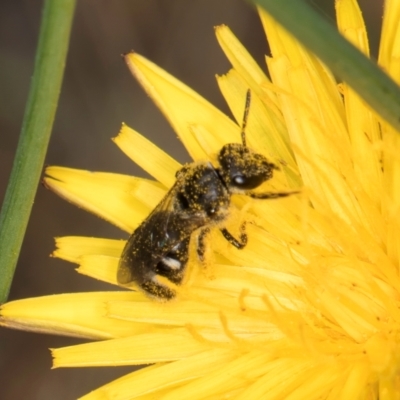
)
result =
(343, 59)
(35, 134)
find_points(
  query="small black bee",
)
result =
(158, 250)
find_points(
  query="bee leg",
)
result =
(158, 290)
(204, 253)
(239, 244)
(175, 276)
(270, 195)
(172, 266)
(201, 244)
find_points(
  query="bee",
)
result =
(156, 255)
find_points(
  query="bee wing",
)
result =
(143, 246)
(152, 239)
(164, 213)
(172, 221)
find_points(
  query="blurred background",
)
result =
(98, 94)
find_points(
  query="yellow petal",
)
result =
(154, 379)
(293, 378)
(147, 155)
(182, 106)
(99, 267)
(389, 59)
(97, 258)
(351, 24)
(79, 314)
(133, 350)
(317, 127)
(389, 49)
(363, 125)
(242, 61)
(72, 248)
(122, 200)
(197, 314)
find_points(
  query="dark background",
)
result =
(98, 94)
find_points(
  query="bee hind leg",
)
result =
(173, 264)
(157, 290)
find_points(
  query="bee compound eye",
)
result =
(250, 181)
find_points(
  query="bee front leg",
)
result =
(270, 195)
(238, 243)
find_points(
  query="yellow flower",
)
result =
(310, 308)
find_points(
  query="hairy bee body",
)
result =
(156, 255)
(160, 245)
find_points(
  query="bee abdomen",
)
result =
(173, 265)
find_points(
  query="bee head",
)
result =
(243, 169)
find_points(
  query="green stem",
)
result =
(344, 60)
(35, 134)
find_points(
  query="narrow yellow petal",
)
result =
(182, 106)
(120, 199)
(389, 49)
(79, 314)
(363, 125)
(351, 24)
(159, 377)
(188, 312)
(226, 380)
(357, 382)
(72, 248)
(133, 350)
(260, 246)
(242, 62)
(103, 268)
(288, 378)
(147, 155)
(313, 384)
(97, 258)
(389, 59)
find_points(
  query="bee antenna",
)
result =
(246, 116)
